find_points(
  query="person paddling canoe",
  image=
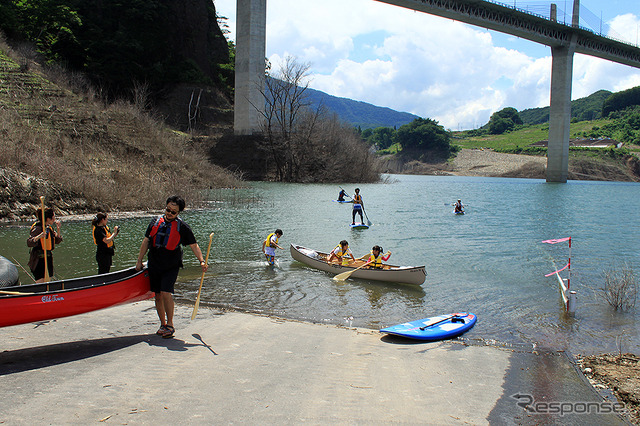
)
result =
(375, 257)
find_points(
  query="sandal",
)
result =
(168, 332)
(161, 330)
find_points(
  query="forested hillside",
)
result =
(359, 114)
(125, 46)
(589, 108)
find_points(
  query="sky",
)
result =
(436, 68)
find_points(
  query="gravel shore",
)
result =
(478, 162)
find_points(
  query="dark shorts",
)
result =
(163, 280)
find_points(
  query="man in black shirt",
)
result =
(164, 238)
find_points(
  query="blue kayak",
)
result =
(434, 328)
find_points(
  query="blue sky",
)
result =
(433, 67)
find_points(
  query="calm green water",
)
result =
(489, 261)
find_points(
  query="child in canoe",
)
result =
(376, 257)
(341, 252)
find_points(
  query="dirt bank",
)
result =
(485, 162)
(619, 373)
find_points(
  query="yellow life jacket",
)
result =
(342, 254)
(267, 242)
(376, 262)
(47, 242)
(106, 230)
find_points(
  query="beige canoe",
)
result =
(390, 273)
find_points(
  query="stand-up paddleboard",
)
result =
(359, 226)
(341, 201)
(434, 328)
(455, 212)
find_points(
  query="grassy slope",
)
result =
(114, 154)
(520, 138)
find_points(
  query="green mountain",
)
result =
(589, 108)
(357, 113)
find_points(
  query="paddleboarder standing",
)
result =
(164, 238)
(357, 207)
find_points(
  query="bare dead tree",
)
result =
(305, 144)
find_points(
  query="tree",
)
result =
(305, 144)
(284, 95)
(381, 137)
(504, 120)
(423, 134)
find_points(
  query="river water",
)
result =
(490, 261)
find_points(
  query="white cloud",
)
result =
(429, 66)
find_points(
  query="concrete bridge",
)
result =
(564, 40)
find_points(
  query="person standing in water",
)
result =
(163, 239)
(103, 239)
(270, 244)
(41, 237)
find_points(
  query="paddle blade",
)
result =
(195, 308)
(343, 276)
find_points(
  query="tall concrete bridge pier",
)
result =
(251, 30)
(560, 104)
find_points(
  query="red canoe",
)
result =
(57, 299)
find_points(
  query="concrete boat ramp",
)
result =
(238, 368)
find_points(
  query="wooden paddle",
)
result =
(12, 292)
(343, 276)
(206, 261)
(44, 246)
(25, 271)
(440, 321)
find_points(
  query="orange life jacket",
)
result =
(106, 230)
(165, 234)
(47, 242)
